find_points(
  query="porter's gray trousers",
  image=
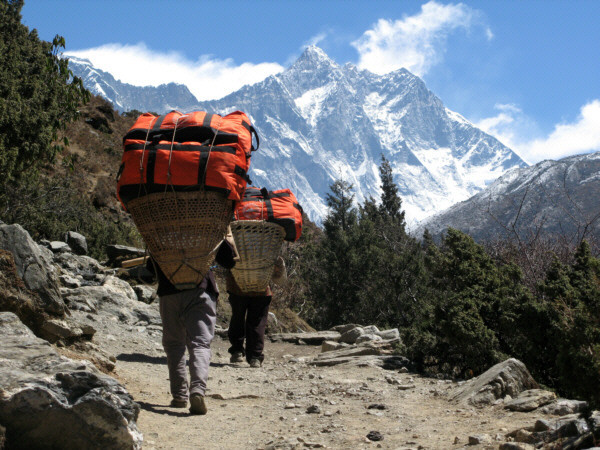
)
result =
(188, 319)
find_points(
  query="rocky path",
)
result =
(290, 404)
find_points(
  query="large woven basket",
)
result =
(258, 243)
(182, 231)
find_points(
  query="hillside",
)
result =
(552, 198)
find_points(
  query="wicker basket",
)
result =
(182, 231)
(258, 243)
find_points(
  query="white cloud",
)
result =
(207, 78)
(514, 129)
(315, 40)
(414, 42)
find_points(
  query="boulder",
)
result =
(145, 293)
(59, 247)
(350, 336)
(388, 335)
(510, 377)
(347, 351)
(563, 406)
(329, 346)
(343, 328)
(384, 361)
(371, 329)
(79, 265)
(16, 298)
(34, 267)
(62, 403)
(115, 298)
(369, 337)
(530, 399)
(310, 338)
(77, 242)
(67, 331)
(118, 253)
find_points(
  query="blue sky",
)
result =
(527, 72)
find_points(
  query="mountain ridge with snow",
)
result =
(320, 121)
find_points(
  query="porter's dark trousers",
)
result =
(248, 321)
(188, 319)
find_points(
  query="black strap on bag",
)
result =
(266, 195)
(253, 131)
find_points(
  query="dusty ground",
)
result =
(255, 408)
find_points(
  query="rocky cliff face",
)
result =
(319, 121)
(554, 197)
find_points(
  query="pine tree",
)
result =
(38, 95)
(391, 203)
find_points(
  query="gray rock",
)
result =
(311, 338)
(115, 298)
(34, 267)
(347, 351)
(313, 409)
(343, 328)
(118, 252)
(525, 436)
(221, 332)
(77, 242)
(47, 398)
(367, 338)
(384, 361)
(562, 407)
(542, 425)
(371, 329)
(530, 399)
(67, 330)
(144, 293)
(59, 247)
(388, 335)
(510, 377)
(479, 439)
(329, 346)
(81, 265)
(352, 335)
(69, 281)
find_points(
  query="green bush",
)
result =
(38, 95)
(49, 208)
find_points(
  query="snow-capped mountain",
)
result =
(551, 197)
(319, 121)
(126, 97)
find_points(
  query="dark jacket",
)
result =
(225, 258)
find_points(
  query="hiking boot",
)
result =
(197, 404)
(178, 403)
(255, 363)
(236, 357)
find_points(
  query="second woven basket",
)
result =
(258, 243)
(182, 231)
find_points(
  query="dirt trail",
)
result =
(257, 408)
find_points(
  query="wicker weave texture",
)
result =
(182, 231)
(258, 243)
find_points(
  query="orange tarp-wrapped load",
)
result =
(179, 177)
(280, 207)
(263, 219)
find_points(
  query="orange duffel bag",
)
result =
(186, 152)
(280, 207)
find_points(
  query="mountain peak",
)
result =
(314, 56)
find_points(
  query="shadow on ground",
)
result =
(162, 409)
(141, 358)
